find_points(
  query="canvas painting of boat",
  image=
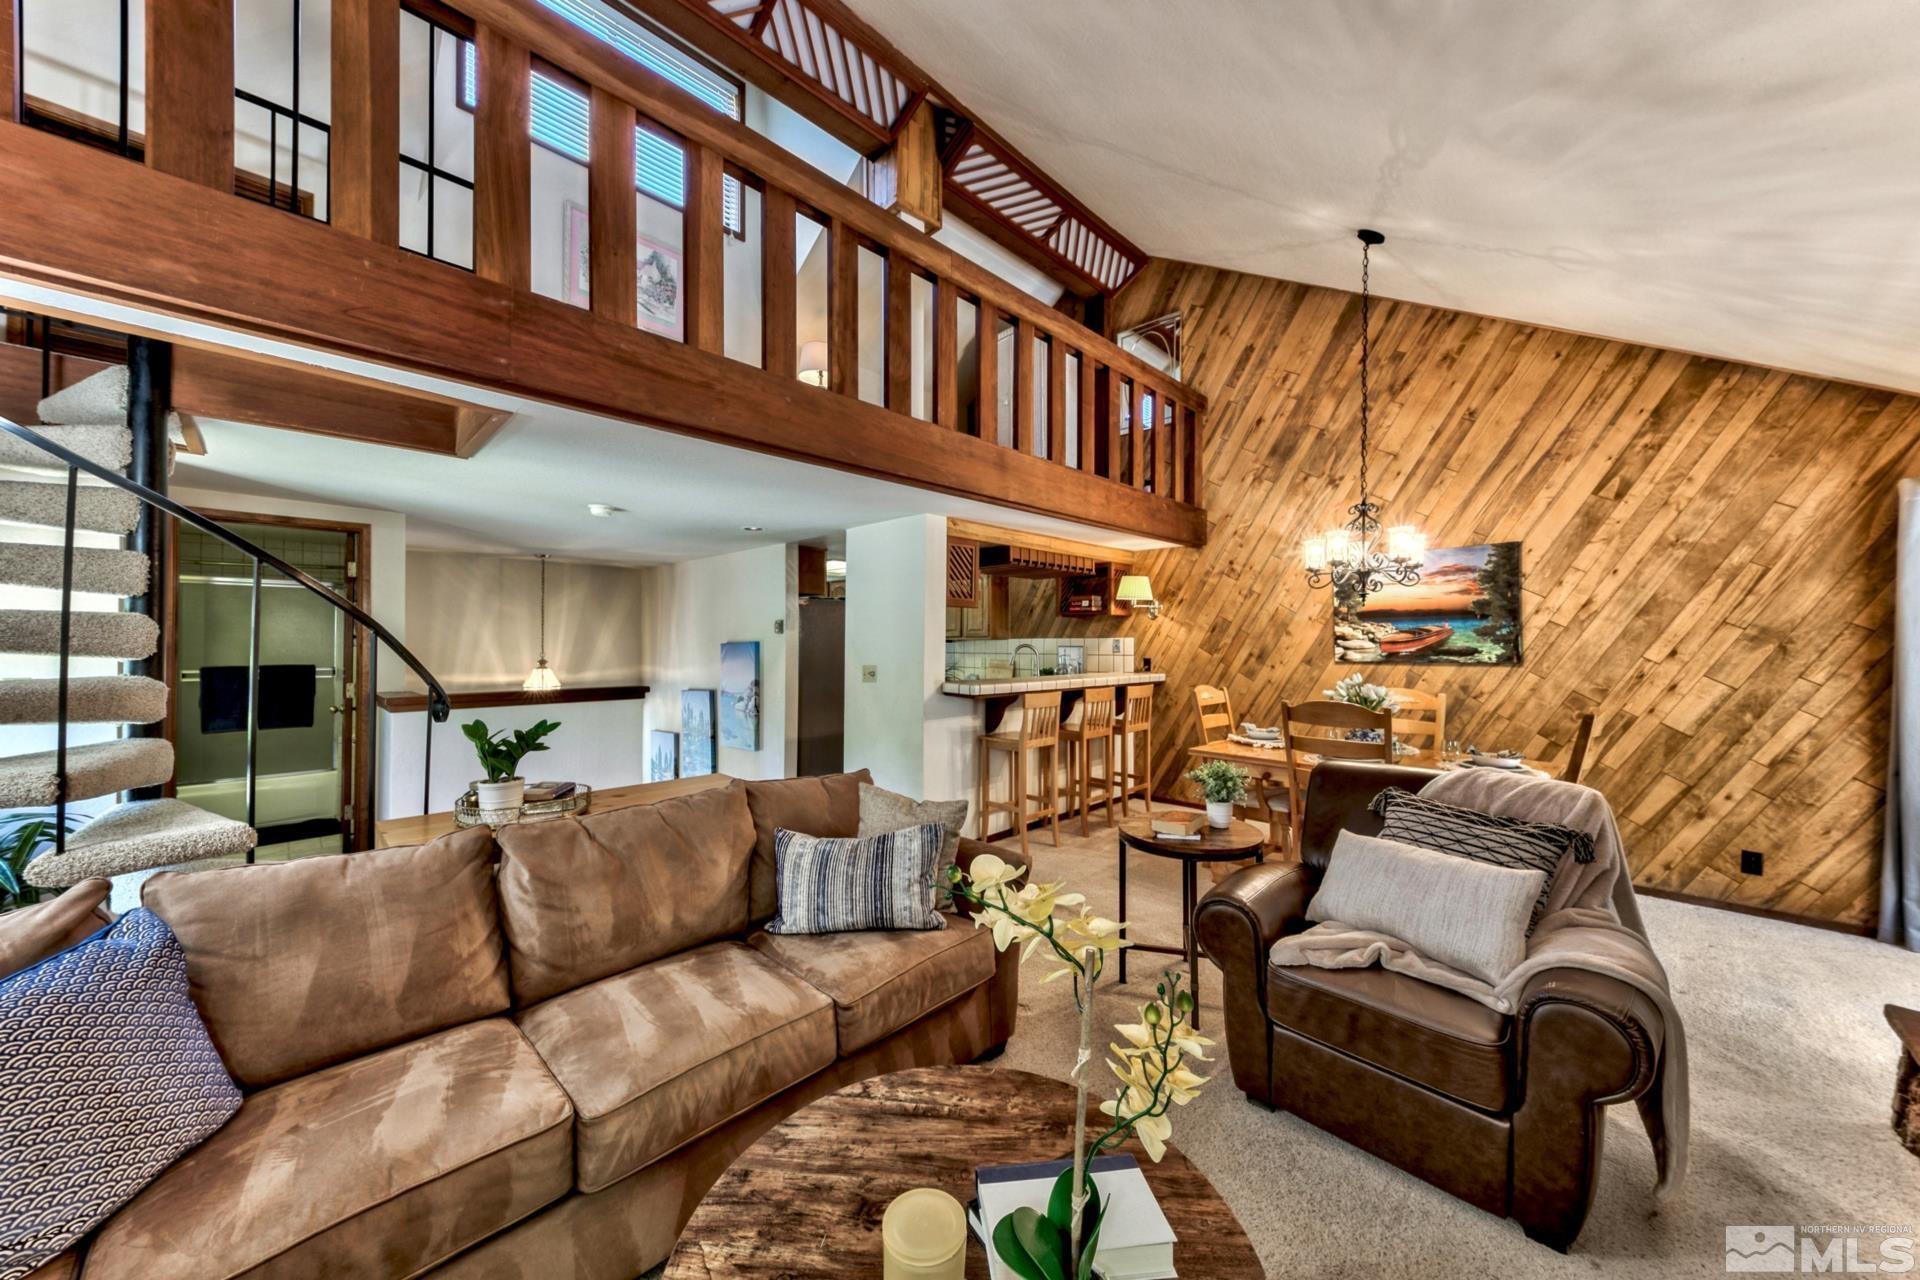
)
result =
(1464, 611)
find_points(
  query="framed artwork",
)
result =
(696, 733)
(1070, 659)
(576, 267)
(663, 756)
(740, 694)
(661, 309)
(1464, 612)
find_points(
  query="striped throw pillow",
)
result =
(1468, 833)
(841, 886)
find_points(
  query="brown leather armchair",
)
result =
(1501, 1110)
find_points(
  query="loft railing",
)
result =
(438, 707)
(1132, 428)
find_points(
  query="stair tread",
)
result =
(90, 700)
(100, 508)
(105, 570)
(139, 836)
(96, 769)
(96, 633)
(108, 443)
(98, 398)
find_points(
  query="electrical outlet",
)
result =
(869, 674)
(779, 626)
(1753, 862)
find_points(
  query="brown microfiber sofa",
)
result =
(534, 1073)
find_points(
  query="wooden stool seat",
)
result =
(1095, 726)
(1039, 733)
(1135, 725)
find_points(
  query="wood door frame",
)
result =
(360, 726)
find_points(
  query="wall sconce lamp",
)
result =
(813, 363)
(1134, 589)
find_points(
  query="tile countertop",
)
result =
(997, 688)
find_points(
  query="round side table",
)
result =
(1233, 843)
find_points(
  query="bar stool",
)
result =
(1136, 725)
(1039, 732)
(1091, 722)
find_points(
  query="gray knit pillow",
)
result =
(882, 811)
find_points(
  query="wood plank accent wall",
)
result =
(1708, 563)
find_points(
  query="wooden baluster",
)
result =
(843, 310)
(946, 355)
(987, 329)
(1056, 400)
(779, 331)
(1023, 385)
(612, 213)
(10, 61)
(1112, 396)
(704, 235)
(1089, 435)
(1137, 459)
(503, 162)
(1195, 454)
(1177, 455)
(1163, 446)
(899, 334)
(190, 90)
(364, 144)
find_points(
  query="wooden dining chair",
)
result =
(1420, 719)
(1577, 754)
(1321, 728)
(1266, 803)
(1215, 710)
(1039, 733)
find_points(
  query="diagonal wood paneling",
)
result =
(1708, 557)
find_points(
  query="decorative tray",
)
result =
(468, 813)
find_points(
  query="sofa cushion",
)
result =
(586, 899)
(872, 882)
(659, 1055)
(1438, 1038)
(382, 1166)
(31, 934)
(828, 806)
(881, 982)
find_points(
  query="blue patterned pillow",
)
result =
(107, 1076)
(839, 886)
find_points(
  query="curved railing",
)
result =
(438, 707)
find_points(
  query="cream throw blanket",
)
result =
(1592, 921)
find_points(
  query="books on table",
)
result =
(1136, 1242)
(1179, 824)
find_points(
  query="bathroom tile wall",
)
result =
(989, 659)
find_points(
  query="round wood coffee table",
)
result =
(1234, 842)
(805, 1201)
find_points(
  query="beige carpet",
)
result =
(1792, 1086)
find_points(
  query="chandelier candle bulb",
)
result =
(1405, 544)
(1315, 552)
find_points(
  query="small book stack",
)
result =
(1179, 825)
(540, 792)
(1136, 1243)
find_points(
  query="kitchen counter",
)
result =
(999, 688)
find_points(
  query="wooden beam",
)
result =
(899, 334)
(906, 176)
(987, 367)
(704, 237)
(779, 288)
(1089, 417)
(190, 90)
(612, 216)
(1023, 386)
(503, 161)
(946, 355)
(1057, 400)
(364, 144)
(843, 310)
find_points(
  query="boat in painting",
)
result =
(1417, 640)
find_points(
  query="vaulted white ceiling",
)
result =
(1734, 177)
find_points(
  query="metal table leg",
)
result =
(1123, 905)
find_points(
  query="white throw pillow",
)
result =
(1466, 914)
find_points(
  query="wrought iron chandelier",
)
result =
(1360, 556)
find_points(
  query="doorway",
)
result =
(302, 771)
(823, 684)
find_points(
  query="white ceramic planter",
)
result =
(1220, 813)
(500, 795)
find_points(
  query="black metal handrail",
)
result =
(438, 706)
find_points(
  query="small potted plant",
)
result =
(500, 755)
(1223, 786)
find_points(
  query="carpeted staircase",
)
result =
(90, 419)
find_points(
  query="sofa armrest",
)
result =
(1237, 923)
(1006, 974)
(1637, 1029)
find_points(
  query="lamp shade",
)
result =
(1134, 589)
(541, 679)
(813, 363)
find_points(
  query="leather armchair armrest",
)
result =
(1637, 1025)
(1237, 923)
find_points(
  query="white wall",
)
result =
(914, 738)
(695, 606)
(602, 744)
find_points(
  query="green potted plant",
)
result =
(24, 835)
(500, 755)
(1223, 786)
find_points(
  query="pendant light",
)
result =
(1359, 557)
(541, 679)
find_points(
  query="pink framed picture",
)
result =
(661, 309)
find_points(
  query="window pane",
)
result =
(72, 60)
(921, 399)
(811, 246)
(740, 257)
(1003, 353)
(651, 51)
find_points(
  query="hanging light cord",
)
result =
(543, 607)
(1366, 354)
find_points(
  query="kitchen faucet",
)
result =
(1031, 651)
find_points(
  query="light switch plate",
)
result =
(869, 674)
